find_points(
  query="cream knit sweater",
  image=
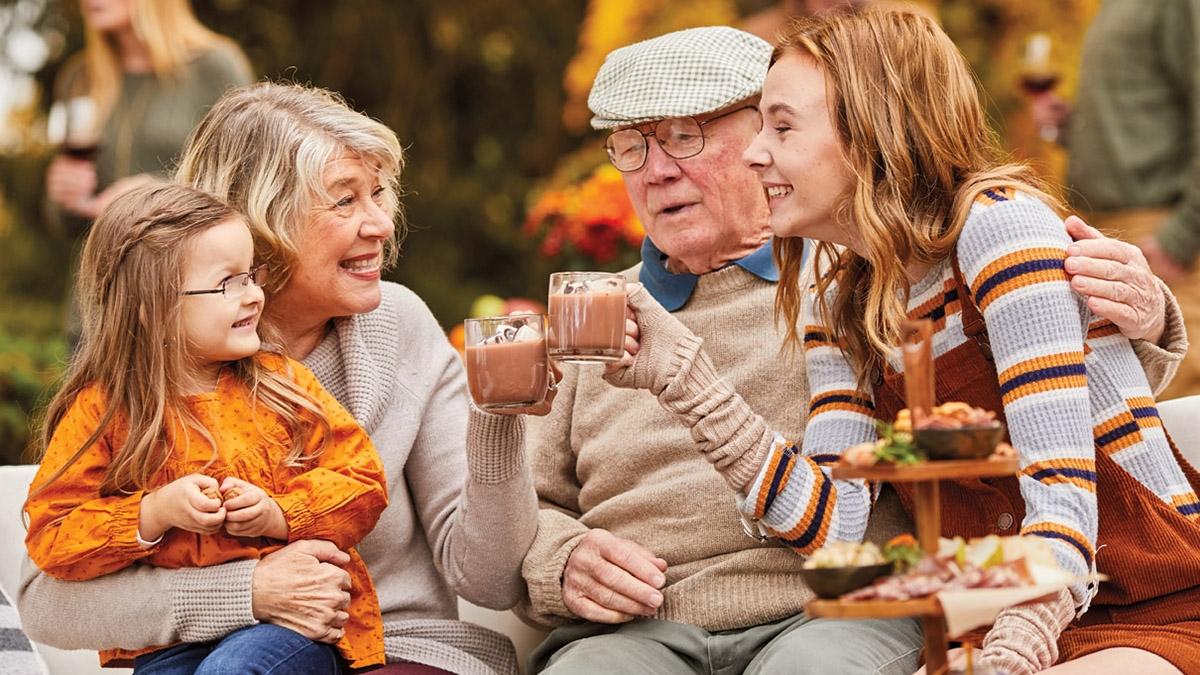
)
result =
(459, 519)
(615, 459)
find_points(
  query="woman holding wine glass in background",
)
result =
(124, 106)
(1134, 142)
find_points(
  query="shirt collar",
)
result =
(672, 291)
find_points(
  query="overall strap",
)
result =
(973, 324)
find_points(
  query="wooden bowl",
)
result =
(833, 582)
(965, 443)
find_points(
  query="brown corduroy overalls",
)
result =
(1151, 553)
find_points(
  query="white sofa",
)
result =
(14, 483)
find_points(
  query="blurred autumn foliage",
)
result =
(505, 181)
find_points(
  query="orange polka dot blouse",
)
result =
(75, 533)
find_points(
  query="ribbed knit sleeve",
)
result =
(794, 494)
(478, 524)
(1161, 360)
(1011, 254)
(1070, 383)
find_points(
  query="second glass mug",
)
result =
(587, 317)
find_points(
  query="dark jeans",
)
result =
(256, 650)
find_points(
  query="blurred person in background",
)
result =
(148, 72)
(1132, 136)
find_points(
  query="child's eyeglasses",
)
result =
(235, 286)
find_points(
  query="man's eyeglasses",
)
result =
(679, 137)
(235, 286)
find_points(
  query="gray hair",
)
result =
(263, 149)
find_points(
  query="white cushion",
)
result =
(1181, 417)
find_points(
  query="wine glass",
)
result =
(1039, 76)
(73, 125)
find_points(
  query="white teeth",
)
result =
(366, 265)
(778, 191)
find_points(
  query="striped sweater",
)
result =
(1070, 384)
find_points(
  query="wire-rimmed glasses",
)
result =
(679, 137)
(235, 286)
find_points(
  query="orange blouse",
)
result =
(77, 534)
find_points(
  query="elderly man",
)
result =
(640, 558)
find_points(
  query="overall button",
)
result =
(1005, 521)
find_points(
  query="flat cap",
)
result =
(688, 72)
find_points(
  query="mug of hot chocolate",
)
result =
(587, 316)
(506, 360)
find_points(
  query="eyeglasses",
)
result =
(679, 137)
(235, 286)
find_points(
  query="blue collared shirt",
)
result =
(673, 290)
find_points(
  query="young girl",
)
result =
(874, 140)
(178, 441)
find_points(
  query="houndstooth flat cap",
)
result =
(688, 72)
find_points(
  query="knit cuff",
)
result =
(730, 434)
(1004, 659)
(495, 446)
(1025, 639)
(1161, 361)
(546, 587)
(208, 603)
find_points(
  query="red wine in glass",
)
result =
(73, 126)
(1038, 83)
(86, 153)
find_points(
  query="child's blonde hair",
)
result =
(129, 287)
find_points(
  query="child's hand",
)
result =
(251, 512)
(182, 503)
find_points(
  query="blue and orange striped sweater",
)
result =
(1071, 385)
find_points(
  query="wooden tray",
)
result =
(931, 470)
(873, 609)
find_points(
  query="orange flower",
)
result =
(594, 218)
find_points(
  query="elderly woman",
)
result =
(319, 184)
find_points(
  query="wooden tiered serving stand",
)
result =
(925, 478)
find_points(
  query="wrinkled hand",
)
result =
(301, 587)
(1117, 282)
(612, 580)
(651, 335)
(1160, 263)
(71, 183)
(182, 503)
(251, 512)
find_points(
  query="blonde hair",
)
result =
(915, 140)
(129, 286)
(263, 149)
(172, 34)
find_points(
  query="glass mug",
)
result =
(587, 317)
(506, 360)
